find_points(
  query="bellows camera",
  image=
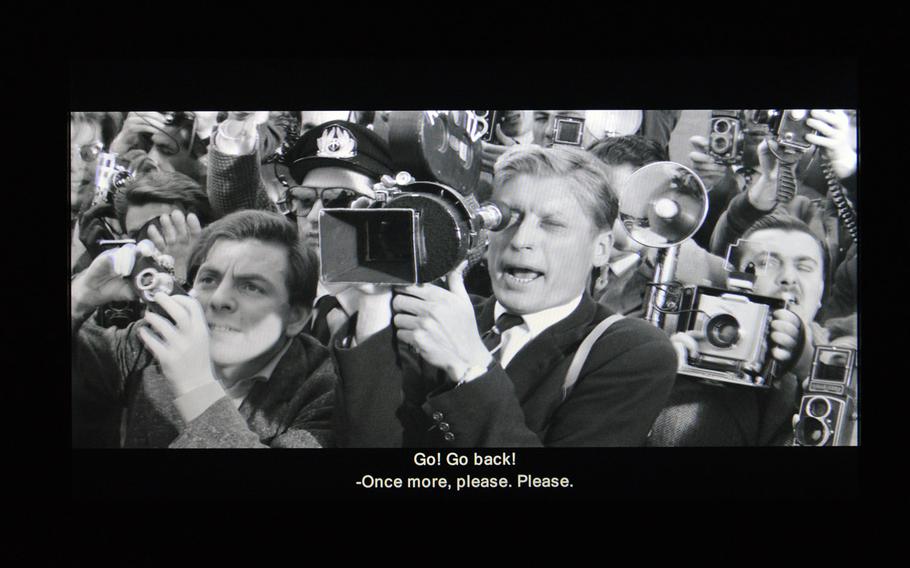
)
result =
(827, 411)
(662, 205)
(734, 326)
(414, 232)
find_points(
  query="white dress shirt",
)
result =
(534, 324)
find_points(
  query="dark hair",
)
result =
(782, 221)
(633, 149)
(164, 187)
(268, 227)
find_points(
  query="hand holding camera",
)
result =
(440, 325)
(138, 125)
(784, 336)
(106, 278)
(181, 347)
(835, 137)
(177, 237)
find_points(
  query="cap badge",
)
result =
(336, 142)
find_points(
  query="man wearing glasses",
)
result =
(332, 165)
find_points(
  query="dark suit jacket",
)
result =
(292, 409)
(387, 397)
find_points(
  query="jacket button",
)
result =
(448, 437)
(444, 426)
(437, 416)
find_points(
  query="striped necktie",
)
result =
(492, 339)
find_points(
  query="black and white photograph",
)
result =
(464, 279)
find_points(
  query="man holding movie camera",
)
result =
(224, 365)
(333, 164)
(430, 365)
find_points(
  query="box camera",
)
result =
(787, 126)
(725, 140)
(827, 411)
(568, 131)
(735, 326)
(415, 232)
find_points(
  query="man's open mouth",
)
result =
(791, 297)
(222, 328)
(520, 274)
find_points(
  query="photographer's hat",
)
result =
(341, 144)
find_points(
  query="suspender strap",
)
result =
(584, 349)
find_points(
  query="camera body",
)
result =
(787, 126)
(491, 118)
(735, 325)
(109, 177)
(726, 137)
(154, 274)
(568, 131)
(415, 232)
(827, 411)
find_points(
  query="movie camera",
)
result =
(661, 205)
(425, 220)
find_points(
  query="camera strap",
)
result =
(581, 355)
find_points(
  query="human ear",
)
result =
(603, 245)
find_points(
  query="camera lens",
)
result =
(811, 432)
(719, 144)
(818, 407)
(721, 126)
(722, 331)
(798, 114)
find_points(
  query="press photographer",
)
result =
(332, 165)
(789, 263)
(832, 223)
(429, 365)
(225, 365)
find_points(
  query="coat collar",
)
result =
(265, 407)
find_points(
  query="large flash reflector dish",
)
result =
(662, 204)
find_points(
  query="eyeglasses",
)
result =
(89, 152)
(300, 200)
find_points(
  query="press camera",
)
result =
(827, 411)
(733, 327)
(662, 205)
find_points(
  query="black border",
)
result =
(575, 81)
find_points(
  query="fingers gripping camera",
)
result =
(153, 273)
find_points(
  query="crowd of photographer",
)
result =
(463, 278)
